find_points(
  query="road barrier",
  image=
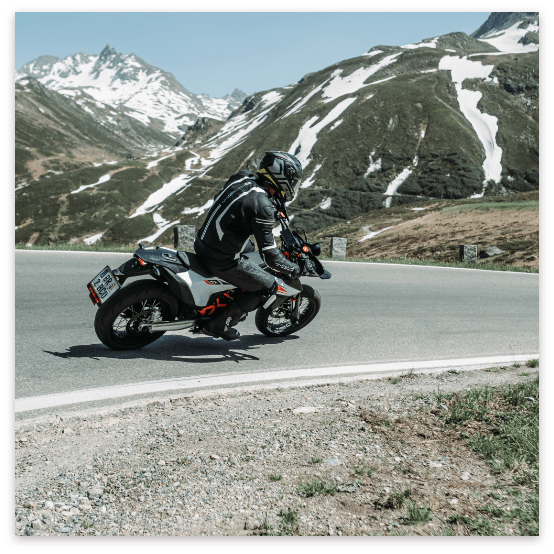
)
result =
(183, 237)
(468, 253)
(338, 247)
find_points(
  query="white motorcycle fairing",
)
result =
(202, 288)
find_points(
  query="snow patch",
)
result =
(102, 179)
(352, 83)
(394, 184)
(307, 136)
(93, 239)
(373, 166)
(271, 98)
(190, 161)
(159, 220)
(298, 104)
(431, 44)
(417, 209)
(485, 125)
(155, 162)
(374, 53)
(200, 209)
(336, 124)
(153, 237)
(310, 180)
(507, 41)
(326, 203)
(156, 198)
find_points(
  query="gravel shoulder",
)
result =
(246, 462)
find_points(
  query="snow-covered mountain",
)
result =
(112, 80)
(454, 117)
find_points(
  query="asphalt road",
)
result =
(371, 313)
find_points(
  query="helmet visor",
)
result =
(295, 187)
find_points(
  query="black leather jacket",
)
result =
(241, 209)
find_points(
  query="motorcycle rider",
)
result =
(247, 206)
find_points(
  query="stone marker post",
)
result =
(468, 253)
(338, 247)
(183, 237)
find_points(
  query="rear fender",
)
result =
(131, 268)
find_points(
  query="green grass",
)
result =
(396, 499)
(289, 521)
(478, 526)
(364, 470)
(275, 477)
(511, 414)
(418, 514)
(532, 363)
(287, 526)
(316, 460)
(316, 487)
(87, 524)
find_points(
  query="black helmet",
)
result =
(283, 171)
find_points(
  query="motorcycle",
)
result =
(180, 293)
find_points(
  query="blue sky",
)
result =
(215, 53)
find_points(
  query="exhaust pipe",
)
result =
(167, 326)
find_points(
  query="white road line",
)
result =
(119, 391)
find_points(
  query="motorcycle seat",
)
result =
(192, 261)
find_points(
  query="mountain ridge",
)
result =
(451, 116)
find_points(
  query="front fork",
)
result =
(276, 301)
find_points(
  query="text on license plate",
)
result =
(103, 286)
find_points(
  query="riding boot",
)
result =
(222, 324)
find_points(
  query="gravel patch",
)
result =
(233, 462)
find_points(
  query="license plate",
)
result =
(103, 286)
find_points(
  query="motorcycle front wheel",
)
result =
(277, 322)
(117, 321)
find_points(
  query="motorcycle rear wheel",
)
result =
(277, 323)
(116, 322)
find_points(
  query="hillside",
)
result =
(450, 117)
(434, 231)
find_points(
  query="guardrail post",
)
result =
(338, 247)
(468, 253)
(183, 237)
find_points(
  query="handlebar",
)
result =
(299, 250)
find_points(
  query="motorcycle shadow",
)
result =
(174, 348)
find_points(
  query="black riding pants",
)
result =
(244, 275)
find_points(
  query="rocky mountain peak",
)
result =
(498, 21)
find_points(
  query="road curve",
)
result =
(371, 314)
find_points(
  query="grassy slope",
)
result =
(409, 240)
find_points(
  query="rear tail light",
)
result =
(93, 296)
